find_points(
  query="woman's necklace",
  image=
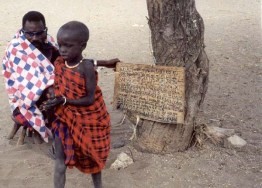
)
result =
(73, 66)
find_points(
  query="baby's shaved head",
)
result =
(77, 29)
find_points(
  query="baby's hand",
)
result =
(51, 103)
(50, 93)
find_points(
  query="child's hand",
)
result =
(112, 63)
(51, 103)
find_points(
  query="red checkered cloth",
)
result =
(85, 130)
(27, 73)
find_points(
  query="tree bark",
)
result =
(177, 32)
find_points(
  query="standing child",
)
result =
(82, 126)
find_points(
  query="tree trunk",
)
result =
(177, 32)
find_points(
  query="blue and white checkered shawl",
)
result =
(27, 72)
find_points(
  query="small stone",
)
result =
(122, 161)
(236, 141)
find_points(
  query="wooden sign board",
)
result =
(152, 92)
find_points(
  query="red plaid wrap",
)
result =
(85, 130)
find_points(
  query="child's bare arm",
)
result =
(108, 63)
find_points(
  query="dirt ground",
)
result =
(119, 29)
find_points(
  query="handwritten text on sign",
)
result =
(155, 93)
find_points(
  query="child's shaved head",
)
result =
(76, 29)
